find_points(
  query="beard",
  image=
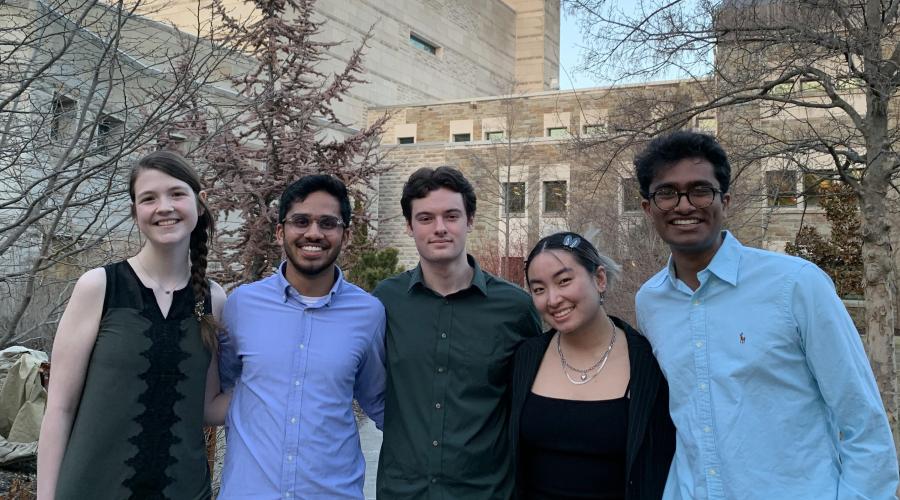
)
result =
(311, 269)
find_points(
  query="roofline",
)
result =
(542, 93)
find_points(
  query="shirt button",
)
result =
(707, 429)
(434, 443)
(440, 369)
(696, 302)
(296, 382)
(302, 346)
(290, 458)
(437, 405)
(433, 480)
(712, 472)
(443, 335)
(699, 344)
(293, 420)
(702, 387)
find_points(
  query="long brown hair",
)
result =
(175, 165)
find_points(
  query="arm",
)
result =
(217, 399)
(72, 349)
(835, 356)
(370, 377)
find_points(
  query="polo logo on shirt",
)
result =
(743, 339)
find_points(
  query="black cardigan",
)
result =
(651, 435)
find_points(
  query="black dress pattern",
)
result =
(138, 432)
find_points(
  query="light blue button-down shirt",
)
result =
(291, 429)
(766, 373)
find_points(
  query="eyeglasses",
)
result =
(667, 198)
(302, 222)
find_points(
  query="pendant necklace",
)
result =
(588, 374)
(167, 291)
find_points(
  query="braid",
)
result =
(199, 283)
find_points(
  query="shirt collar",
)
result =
(724, 264)
(285, 286)
(479, 280)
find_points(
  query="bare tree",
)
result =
(807, 85)
(84, 87)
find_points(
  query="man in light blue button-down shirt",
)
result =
(303, 343)
(770, 389)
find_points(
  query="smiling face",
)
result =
(564, 292)
(311, 253)
(689, 231)
(165, 208)
(439, 226)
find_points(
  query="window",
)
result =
(706, 124)
(514, 197)
(110, 132)
(817, 185)
(631, 195)
(555, 197)
(63, 120)
(406, 140)
(462, 137)
(781, 188)
(494, 136)
(421, 44)
(558, 132)
(594, 129)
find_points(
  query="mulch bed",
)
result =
(18, 482)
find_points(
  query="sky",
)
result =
(570, 55)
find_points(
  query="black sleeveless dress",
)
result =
(138, 431)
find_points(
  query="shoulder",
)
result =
(655, 281)
(91, 283)
(217, 295)
(499, 287)
(393, 285)
(360, 297)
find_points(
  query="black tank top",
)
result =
(573, 449)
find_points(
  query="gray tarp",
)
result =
(22, 403)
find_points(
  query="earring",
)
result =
(602, 297)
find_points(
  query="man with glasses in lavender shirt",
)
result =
(303, 343)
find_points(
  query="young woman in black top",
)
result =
(589, 404)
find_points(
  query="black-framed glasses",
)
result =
(302, 222)
(667, 198)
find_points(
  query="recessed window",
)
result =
(631, 195)
(406, 140)
(462, 137)
(781, 188)
(594, 129)
(494, 136)
(422, 44)
(557, 132)
(707, 124)
(514, 197)
(63, 119)
(555, 197)
(817, 185)
(110, 132)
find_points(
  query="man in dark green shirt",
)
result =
(451, 333)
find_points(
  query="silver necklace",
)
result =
(586, 375)
(167, 291)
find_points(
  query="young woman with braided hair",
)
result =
(134, 365)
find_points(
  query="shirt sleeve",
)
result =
(370, 378)
(837, 360)
(230, 365)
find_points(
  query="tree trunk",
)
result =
(880, 294)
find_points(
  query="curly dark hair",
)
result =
(667, 150)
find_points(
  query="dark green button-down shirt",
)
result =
(449, 365)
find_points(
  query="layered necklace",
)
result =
(588, 374)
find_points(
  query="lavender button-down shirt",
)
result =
(291, 429)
